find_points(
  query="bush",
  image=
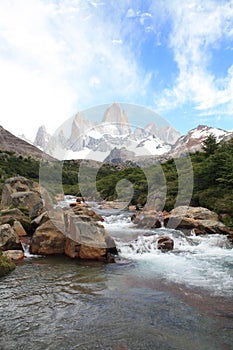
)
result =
(6, 265)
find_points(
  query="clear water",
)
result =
(197, 261)
(147, 300)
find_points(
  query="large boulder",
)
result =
(48, 239)
(20, 192)
(148, 219)
(75, 232)
(196, 220)
(196, 213)
(85, 237)
(9, 216)
(9, 238)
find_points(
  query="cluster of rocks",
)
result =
(190, 220)
(24, 222)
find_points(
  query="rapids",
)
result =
(196, 261)
(147, 300)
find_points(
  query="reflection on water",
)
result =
(146, 301)
(57, 303)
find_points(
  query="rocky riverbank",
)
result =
(76, 231)
(24, 222)
(190, 220)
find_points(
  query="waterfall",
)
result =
(26, 248)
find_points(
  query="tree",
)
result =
(210, 145)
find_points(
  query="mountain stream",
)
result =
(147, 300)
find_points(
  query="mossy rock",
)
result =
(6, 265)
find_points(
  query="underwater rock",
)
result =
(165, 243)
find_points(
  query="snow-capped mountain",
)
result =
(166, 133)
(114, 139)
(116, 116)
(96, 141)
(193, 140)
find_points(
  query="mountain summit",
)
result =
(116, 115)
(81, 138)
(42, 138)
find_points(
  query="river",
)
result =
(147, 300)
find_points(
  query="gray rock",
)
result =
(22, 193)
(9, 238)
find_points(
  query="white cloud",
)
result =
(197, 29)
(145, 17)
(60, 57)
(94, 81)
(117, 41)
(29, 99)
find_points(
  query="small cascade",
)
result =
(150, 243)
(195, 261)
(26, 247)
(140, 245)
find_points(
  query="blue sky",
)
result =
(58, 57)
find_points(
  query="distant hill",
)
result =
(11, 143)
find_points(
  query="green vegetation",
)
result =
(213, 172)
(12, 164)
(212, 169)
(6, 265)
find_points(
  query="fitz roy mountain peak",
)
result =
(115, 140)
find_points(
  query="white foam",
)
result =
(196, 261)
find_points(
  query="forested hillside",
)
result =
(212, 169)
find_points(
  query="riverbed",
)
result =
(146, 300)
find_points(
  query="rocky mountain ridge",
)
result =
(12, 143)
(194, 139)
(114, 140)
(85, 139)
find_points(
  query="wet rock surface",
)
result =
(190, 220)
(75, 231)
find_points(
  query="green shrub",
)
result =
(6, 265)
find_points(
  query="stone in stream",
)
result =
(200, 219)
(165, 243)
(14, 255)
(74, 232)
(148, 219)
(187, 219)
(48, 240)
(87, 239)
